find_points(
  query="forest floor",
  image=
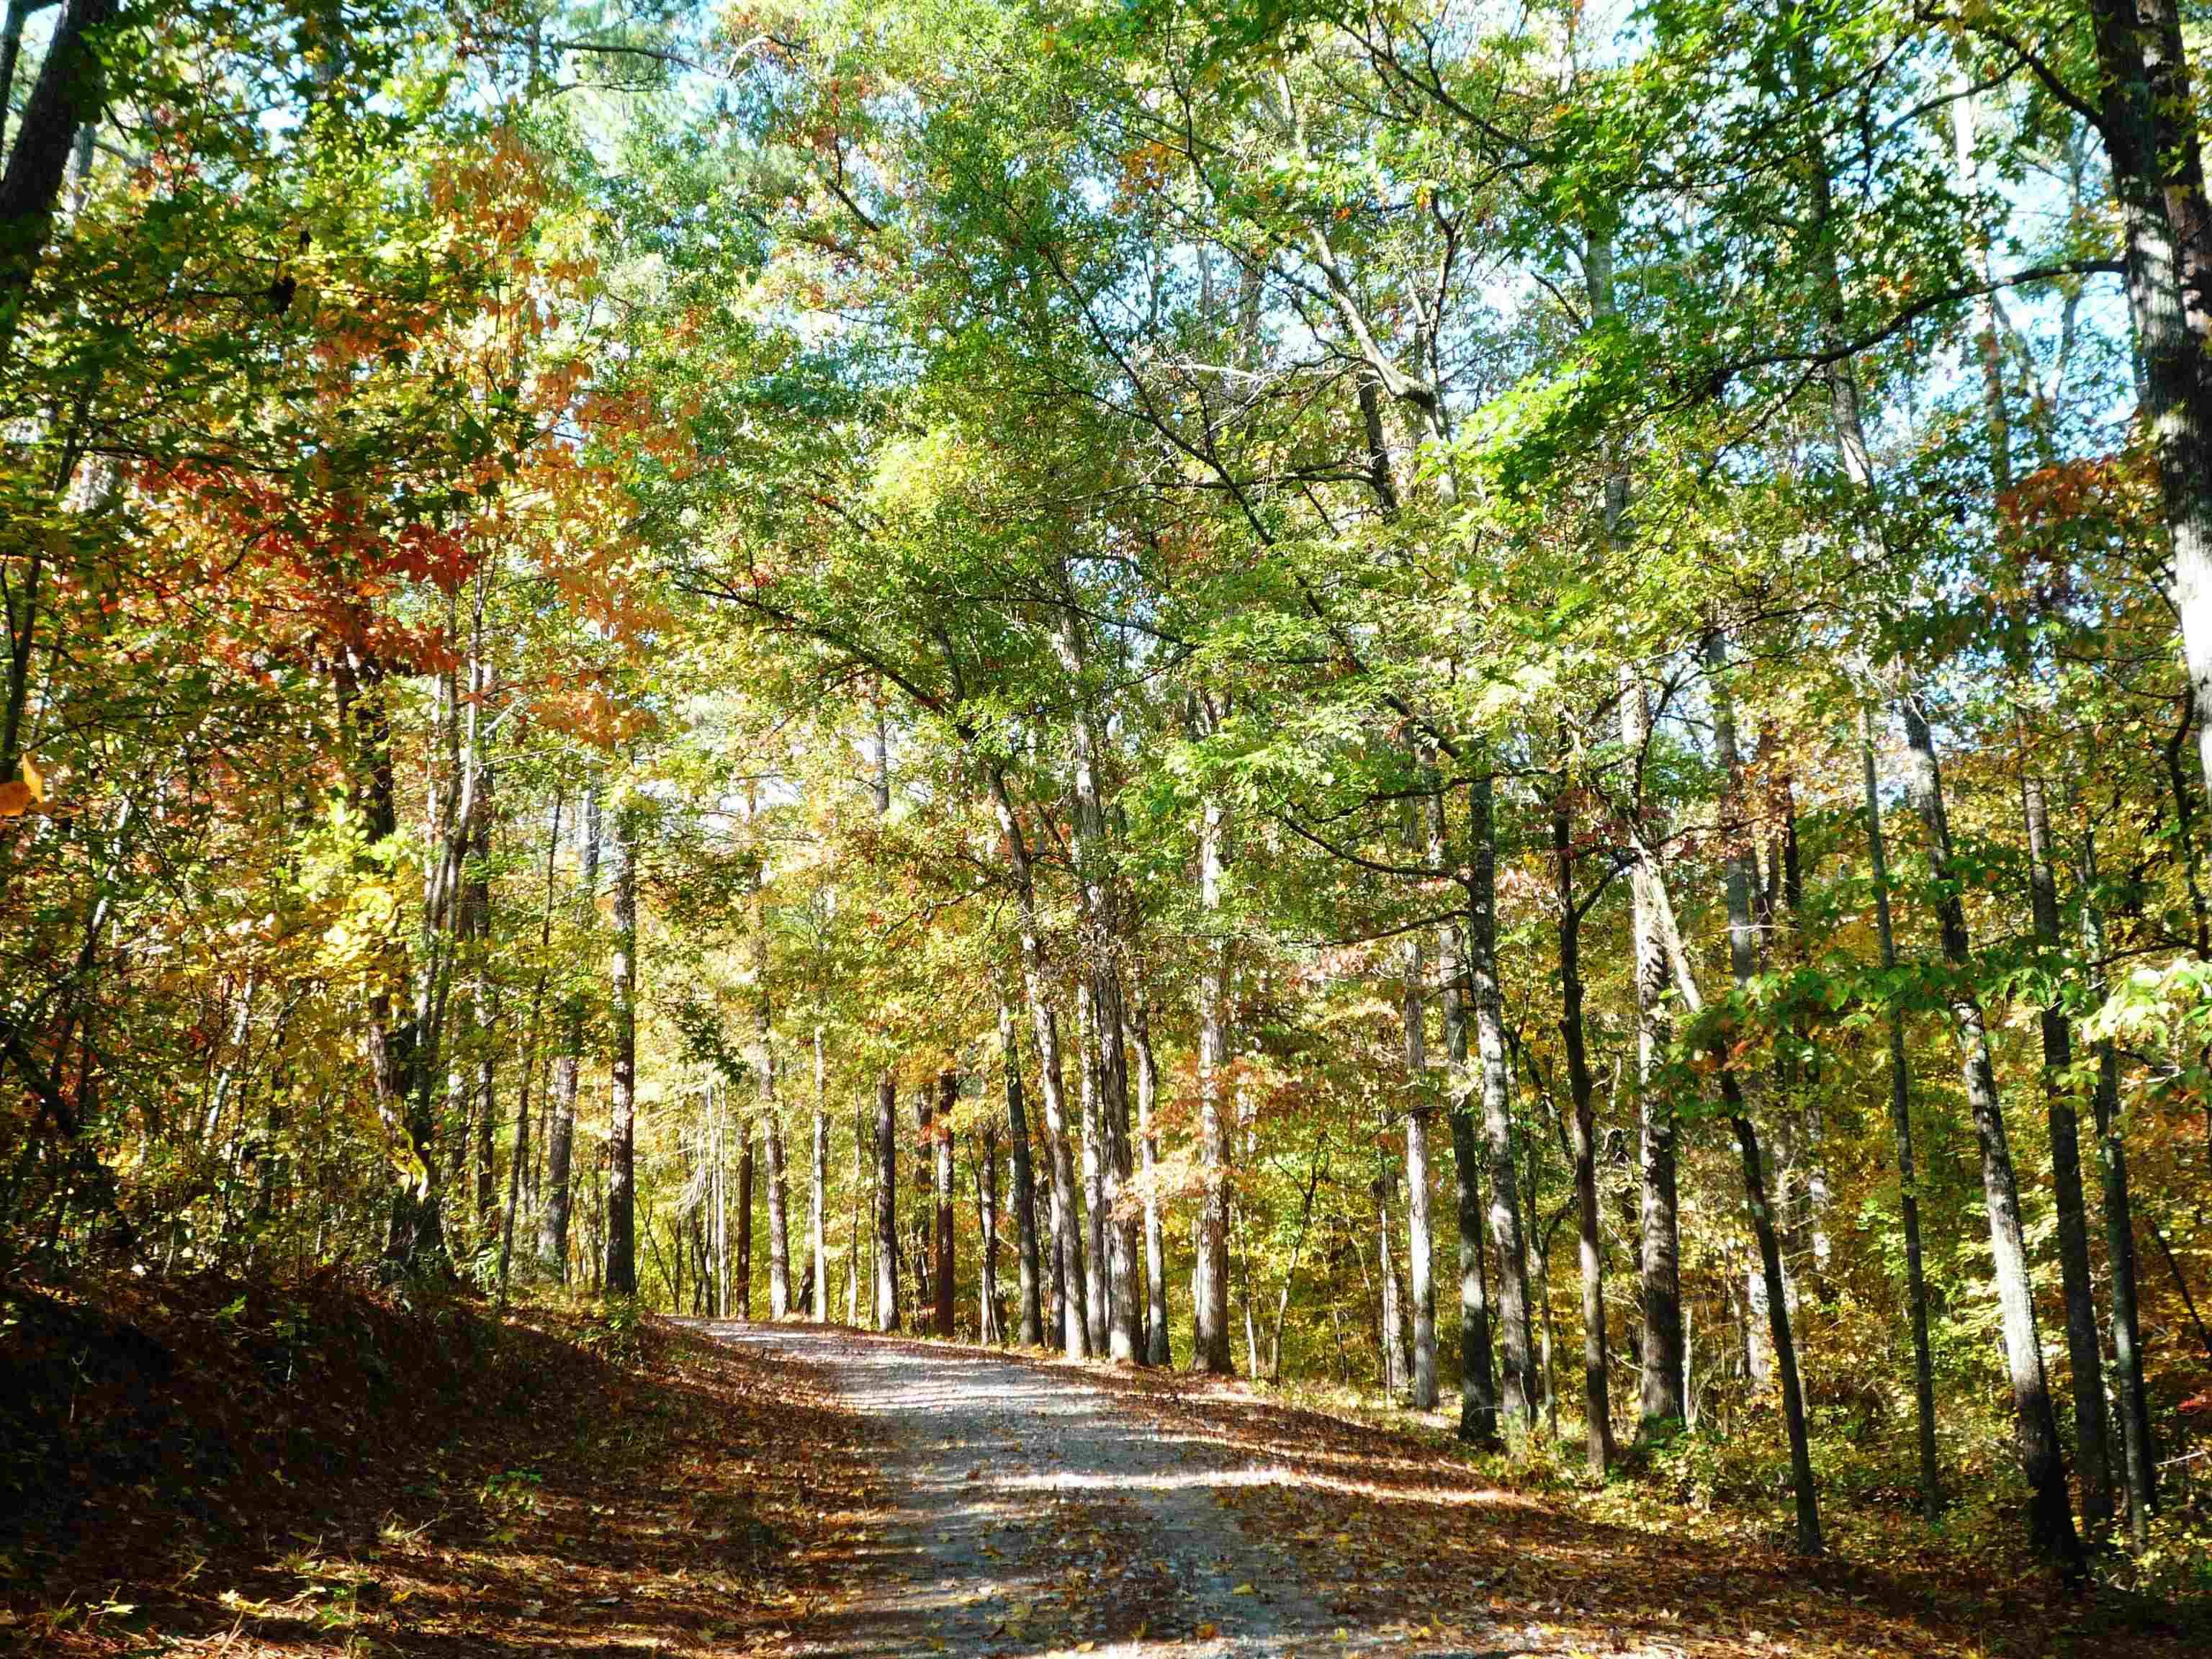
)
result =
(219, 1469)
(213, 1470)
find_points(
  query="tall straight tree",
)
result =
(817, 1243)
(990, 1321)
(1097, 1305)
(621, 1278)
(1044, 1015)
(2142, 111)
(1104, 939)
(2093, 1455)
(941, 1274)
(1420, 1250)
(1663, 1407)
(742, 1270)
(1516, 1345)
(1901, 1120)
(2051, 1520)
(2043, 1459)
(1478, 1403)
(763, 1060)
(886, 1126)
(924, 1259)
(886, 1173)
(1157, 1349)
(1597, 1392)
(1741, 878)
(1209, 1273)
(2141, 1458)
(561, 1136)
(1029, 1333)
(2086, 1364)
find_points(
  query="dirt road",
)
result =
(1035, 1512)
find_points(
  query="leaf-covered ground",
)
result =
(212, 1475)
(221, 1472)
(1406, 1534)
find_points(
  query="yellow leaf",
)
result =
(1243, 1590)
(15, 799)
(33, 777)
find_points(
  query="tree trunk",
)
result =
(1547, 1336)
(2157, 174)
(2186, 463)
(886, 1138)
(1786, 1351)
(1032, 1330)
(1516, 1344)
(1420, 1250)
(1391, 1335)
(1742, 877)
(1477, 1388)
(1099, 1288)
(852, 1235)
(763, 1060)
(779, 1217)
(818, 1220)
(484, 994)
(1314, 1171)
(1847, 425)
(520, 1160)
(1420, 1260)
(948, 1099)
(1068, 1275)
(1156, 1348)
(742, 1269)
(988, 1329)
(1661, 1407)
(2120, 1235)
(11, 46)
(925, 1198)
(2051, 1519)
(1097, 886)
(887, 1288)
(405, 1053)
(70, 94)
(1124, 1221)
(1662, 1401)
(622, 1122)
(1800, 1119)
(2086, 1361)
(1209, 1278)
(553, 1225)
(1597, 1393)
(1054, 1290)
(719, 1198)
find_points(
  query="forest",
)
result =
(1475, 736)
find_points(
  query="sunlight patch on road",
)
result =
(1445, 1497)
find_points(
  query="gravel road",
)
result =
(1033, 1513)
